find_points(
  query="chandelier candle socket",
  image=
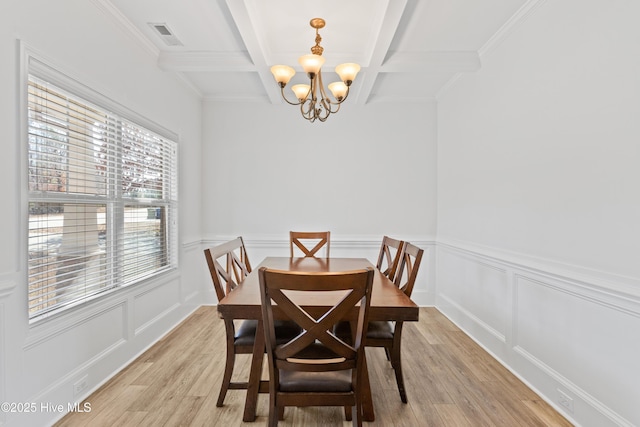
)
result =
(312, 98)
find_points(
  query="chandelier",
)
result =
(312, 98)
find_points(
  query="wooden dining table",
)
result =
(387, 303)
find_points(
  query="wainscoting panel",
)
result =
(64, 358)
(78, 340)
(577, 339)
(479, 289)
(575, 342)
(153, 304)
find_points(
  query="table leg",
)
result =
(253, 388)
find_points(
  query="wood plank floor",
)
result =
(450, 381)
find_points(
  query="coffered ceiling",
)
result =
(409, 50)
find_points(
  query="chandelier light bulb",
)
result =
(282, 74)
(301, 91)
(347, 72)
(311, 63)
(339, 90)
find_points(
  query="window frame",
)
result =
(33, 64)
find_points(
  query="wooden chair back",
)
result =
(389, 256)
(408, 266)
(228, 265)
(298, 354)
(300, 240)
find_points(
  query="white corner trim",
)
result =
(109, 9)
(518, 18)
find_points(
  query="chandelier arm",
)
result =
(309, 112)
(326, 100)
(326, 106)
(323, 94)
(313, 90)
(346, 95)
(285, 98)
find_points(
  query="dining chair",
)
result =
(390, 251)
(229, 265)
(304, 239)
(315, 368)
(389, 334)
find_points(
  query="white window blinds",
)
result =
(102, 200)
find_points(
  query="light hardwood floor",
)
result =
(450, 381)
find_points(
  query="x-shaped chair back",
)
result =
(389, 256)
(408, 266)
(298, 239)
(301, 352)
(228, 265)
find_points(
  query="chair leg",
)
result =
(226, 378)
(274, 411)
(347, 413)
(230, 362)
(281, 413)
(356, 414)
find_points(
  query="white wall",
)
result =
(538, 207)
(367, 171)
(41, 362)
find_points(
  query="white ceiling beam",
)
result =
(243, 22)
(392, 18)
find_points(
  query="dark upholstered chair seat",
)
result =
(246, 332)
(375, 330)
(380, 330)
(334, 381)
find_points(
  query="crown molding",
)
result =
(507, 28)
(503, 32)
(109, 9)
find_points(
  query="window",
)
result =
(102, 200)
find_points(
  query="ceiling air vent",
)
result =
(165, 34)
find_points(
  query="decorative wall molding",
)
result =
(573, 388)
(152, 322)
(546, 288)
(578, 290)
(367, 246)
(349, 242)
(6, 288)
(495, 333)
(46, 331)
(626, 290)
